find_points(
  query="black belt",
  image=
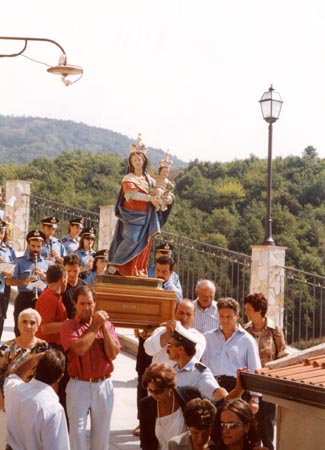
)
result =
(222, 378)
(92, 380)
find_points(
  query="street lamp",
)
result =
(271, 104)
(63, 68)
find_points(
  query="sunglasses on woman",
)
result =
(156, 391)
(230, 425)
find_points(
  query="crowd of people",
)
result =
(58, 367)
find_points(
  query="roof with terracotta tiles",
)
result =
(301, 382)
(310, 371)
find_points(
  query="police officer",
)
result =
(86, 251)
(181, 348)
(30, 267)
(4, 293)
(71, 240)
(164, 249)
(7, 255)
(52, 247)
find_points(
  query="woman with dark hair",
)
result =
(99, 266)
(138, 219)
(161, 413)
(237, 427)
(271, 345)
(86, 251)
(199, 416)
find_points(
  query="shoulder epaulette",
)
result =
(63, 240)
(200, 366)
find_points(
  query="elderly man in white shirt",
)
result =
(156, 344)
(206, 311)
(34, 417)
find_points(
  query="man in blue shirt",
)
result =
(29, 268)
(229, 347)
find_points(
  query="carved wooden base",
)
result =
(134, 302)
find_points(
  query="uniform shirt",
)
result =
(169, 285)
(34, 417)
(70, 244)
(10, 252)
(153, 348)
(93, 363)
(205, 319)
(25, 266)
(84, 256)
(4, 255)
(198, 376)
(91, 278)
(51, 309)
(224, 357)
(56, 245)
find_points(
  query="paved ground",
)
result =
(124, 380)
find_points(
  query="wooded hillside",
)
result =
(219, 203)
(24, 138)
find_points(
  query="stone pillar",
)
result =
(107, 223)
(267, 277)
(17, 207)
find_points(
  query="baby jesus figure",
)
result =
(164, 187)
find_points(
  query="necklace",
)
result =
(163, 423)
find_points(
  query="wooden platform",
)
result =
(134, 302)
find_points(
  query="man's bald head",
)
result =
(184, 312)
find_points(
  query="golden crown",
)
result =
(167, 162)
(139, 147)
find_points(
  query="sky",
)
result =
(186, 74)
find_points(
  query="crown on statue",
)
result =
(167, 162)
(139, 147)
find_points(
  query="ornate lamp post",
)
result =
(63, 68)
(271, 104)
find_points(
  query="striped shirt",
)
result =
(205, 319)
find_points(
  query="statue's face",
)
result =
(137, 161)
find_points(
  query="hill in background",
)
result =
(23, 139)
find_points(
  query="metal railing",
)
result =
(304, 292)
(304, 308)
(41, 208)
(195, 260)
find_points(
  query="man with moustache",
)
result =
(91, 346)
(29, 268)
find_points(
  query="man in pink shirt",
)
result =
(91, 345)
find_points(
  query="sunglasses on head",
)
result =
(230, 425)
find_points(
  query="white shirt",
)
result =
(35, 419)
(205, 319)
(159, 354)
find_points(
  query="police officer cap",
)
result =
(77, 221)
(187, 338)
(165, 248)
(51, 221)
(3, 225)
(88, 232)
(35, 235)
(101, 254)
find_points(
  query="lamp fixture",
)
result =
(62, 68)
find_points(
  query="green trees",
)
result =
(220, 204)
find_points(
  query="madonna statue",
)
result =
(139, 216)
